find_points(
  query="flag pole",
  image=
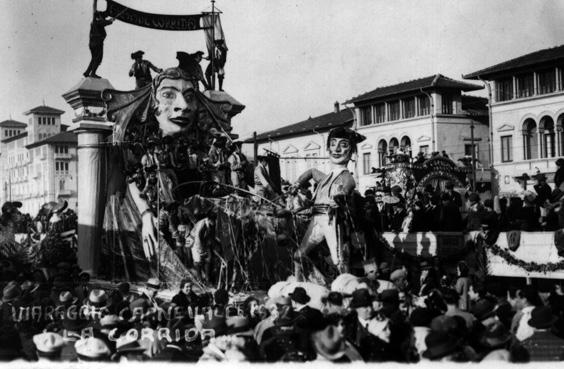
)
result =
(212, 56)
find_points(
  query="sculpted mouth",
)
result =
(182, 121)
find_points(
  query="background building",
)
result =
(425, 115)
(38, 160)
(527, 109)
(302, 145)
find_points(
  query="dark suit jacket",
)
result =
(370, 347)
(309, 319)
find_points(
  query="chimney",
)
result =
(337, 108)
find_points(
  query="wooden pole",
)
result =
(212, 56)
(255, 147)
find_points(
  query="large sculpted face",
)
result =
(340, 150)
(176, 105)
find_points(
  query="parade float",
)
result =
(136, 215)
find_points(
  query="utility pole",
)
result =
(473, 146)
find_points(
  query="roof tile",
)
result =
(537, 57)
(430, 82)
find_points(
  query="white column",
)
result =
(90, 197)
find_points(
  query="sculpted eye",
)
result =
(188, 95)
(168, 94)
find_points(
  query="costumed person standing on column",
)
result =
(333, 192)
(141, 69)
(220, 59)
(190, 63)
(96, 43)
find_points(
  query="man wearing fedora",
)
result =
(141, 69)
(331, 346)
(543, 345)
(357, 322)
(48, 346)
(307, 318)
(92, 349)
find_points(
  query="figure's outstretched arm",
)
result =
(308, 175)
(155, 69)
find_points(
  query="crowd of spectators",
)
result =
(376, 318)
(392, 209)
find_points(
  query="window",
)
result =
(382, 152)
(468, 150)
(547, 81)
(424, 149)
(366, 115)
(380, 113)
(405, 145)
(525, 85)
(366, 166)
(394, 145)
(424, 105)
(394, 107)
(504, 89)
(506, 149)
(530, 143)
(62, 185)
(447, 104)
(408, 108)
(548, 146)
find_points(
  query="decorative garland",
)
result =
(528, 266)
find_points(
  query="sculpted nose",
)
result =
(180, 104)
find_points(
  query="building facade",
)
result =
(527, 109)
(426, 115)
(302, 145)
(39, 163)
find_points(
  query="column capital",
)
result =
(86, 100)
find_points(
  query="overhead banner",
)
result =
(156, 21)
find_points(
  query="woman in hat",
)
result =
(331, 198)
(172, 108)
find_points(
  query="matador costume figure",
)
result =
(332, 195)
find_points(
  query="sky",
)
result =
(287, 60)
